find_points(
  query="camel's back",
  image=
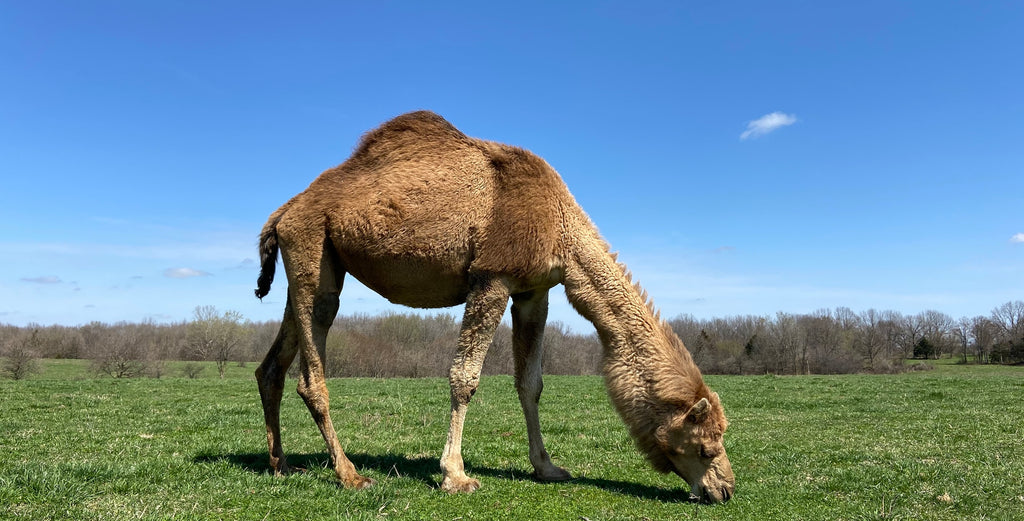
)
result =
(418, 191)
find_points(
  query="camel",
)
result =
(429, 217)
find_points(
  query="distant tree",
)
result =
(156, 368)
(870, 338)
(823, 342)
(566, 352)
(191, 370)
(216, 336)
(891, 324)
(910, 333)
(924, 348)
(962, 333)
(1010, 319)
(263, 335)
(21, 357)
(783, 347)
(1008, 351)
(123, 355)
(985, 334)
(938, 328)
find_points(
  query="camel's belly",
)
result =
(411, 281)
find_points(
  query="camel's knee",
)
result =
(463, 393)
(314, 393)
(311, 390)
(463, 385)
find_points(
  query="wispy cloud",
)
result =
(184, 273)
(210, 252)
(246, 264)
(1019, 238)
(49, 279)
(767, 123)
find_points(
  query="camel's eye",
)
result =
(707, 452)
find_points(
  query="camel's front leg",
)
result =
(484, 307)
(529, 314)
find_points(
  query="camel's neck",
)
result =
(599, 289)
(639, 350)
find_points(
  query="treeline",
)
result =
(843, 341)
(408, 345)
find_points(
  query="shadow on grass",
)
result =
(428, 471)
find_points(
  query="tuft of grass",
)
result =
(942, 444)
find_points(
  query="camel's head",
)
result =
(690, 442)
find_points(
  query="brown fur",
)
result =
(429, 217)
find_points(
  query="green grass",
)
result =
(942, 444)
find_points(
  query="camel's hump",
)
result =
(420, 127)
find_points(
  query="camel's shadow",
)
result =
(428, 471)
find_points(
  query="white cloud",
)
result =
(49, 279)
(767, 123)
(184, 273)
(1017, 238)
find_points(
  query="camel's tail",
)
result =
(268, 253)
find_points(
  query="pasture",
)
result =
(941, 444)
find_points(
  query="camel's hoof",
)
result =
(552, 473)
(465, 485)
(283, 469)
(358, 482)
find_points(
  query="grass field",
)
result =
(942, 444)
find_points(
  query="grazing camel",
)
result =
(428, 217)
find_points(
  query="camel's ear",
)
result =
(699, 412)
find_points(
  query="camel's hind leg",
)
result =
(270, 378)
(529, 314)
(313, 288)
(484, 306)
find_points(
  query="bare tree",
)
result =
(1010, 319)
(910, 333)
(870, 341)
(962, 333)
(985, 333)
(936, 327)
(823, 341)
(21, 357)
(123, 355)
(784, 348)
(216, 336)
(191, 370)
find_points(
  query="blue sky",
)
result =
(744, 158)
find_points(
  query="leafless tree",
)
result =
(20, 353)
(566, 352)
(216, 336)
(784, 348)
(910, 333)
(937, 327)
(985, 333)
(823, 341)
(962, 334)
(191, 370)
(870, 341)
(1010, 319)
(123, 354)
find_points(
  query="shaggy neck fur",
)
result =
(649, 374)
